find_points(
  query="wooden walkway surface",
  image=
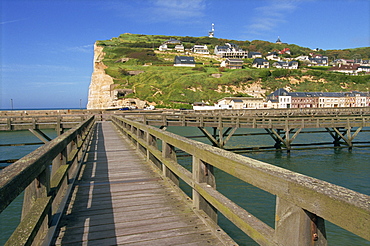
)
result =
(119, 200)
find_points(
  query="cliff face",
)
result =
(100, 86)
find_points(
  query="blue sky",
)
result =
(47, 45)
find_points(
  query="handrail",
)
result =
(24, 122)
(348, 111)
(277, 122)
(44, 189)
(303, 203)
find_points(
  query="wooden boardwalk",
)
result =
(119, 200)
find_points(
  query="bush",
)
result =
(264, 73)
(279, 73)
(200, 69)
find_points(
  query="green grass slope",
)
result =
(178, 87)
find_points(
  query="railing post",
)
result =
(168, 151)
(145, 120)
(39, 188)
(152, 141)
(296, 226)
(141, 135)
(59, 128)
(73, 165)
(61, 159)
(34, 123)
(203, 173)
(79, 143)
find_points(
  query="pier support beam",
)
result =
(219, 138)
(40, 135)
(341, 133)
(282, 137)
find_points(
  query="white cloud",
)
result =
(267, 17)
(83, 48)
(35, 68)
(11, 21)
(156, 11)
(179, 9)
(51, 84)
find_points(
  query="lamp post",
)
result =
(11, 103)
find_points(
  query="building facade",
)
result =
(286, 99)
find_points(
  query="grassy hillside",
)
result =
(178, 87)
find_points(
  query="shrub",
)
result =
(279, 73)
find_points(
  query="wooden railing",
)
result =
(280, 112)
(286, 111)
(25, 122)
(45, 190)
(276, 122)
(302, 203)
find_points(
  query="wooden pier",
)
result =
(118, 182)
(118, 200)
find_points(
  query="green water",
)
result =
(10, 217)
(350, 169)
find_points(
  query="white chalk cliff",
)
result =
(100, 86)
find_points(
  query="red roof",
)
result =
(283, 51)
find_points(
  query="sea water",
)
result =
(10, 217)
(350, 169)
(340, 166)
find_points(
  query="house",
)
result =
(318, 61)
(179, 48)
(348, 69)
(280, 64)
(234, 63)
(302, 58)
(365, 69)
(200, 49)
(273, 56)
(240, 103)
(163, 47)
(173, 41)
(304, 99)
(286, 65)
(343, 62)
(332, 100)
(287, 99)
(254, 55)
(285, 51)
(220, 50)
(293, 64)
(203, 106)
(230, 50)
(260, 63)
(184, 61)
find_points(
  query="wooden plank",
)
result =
(118, 199)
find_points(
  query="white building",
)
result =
(200, 49)
(241, 103)
(285, 101)
(163, 47)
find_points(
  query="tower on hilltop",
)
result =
(278, 41)
(211, 34)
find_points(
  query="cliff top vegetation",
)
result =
(164, 85)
